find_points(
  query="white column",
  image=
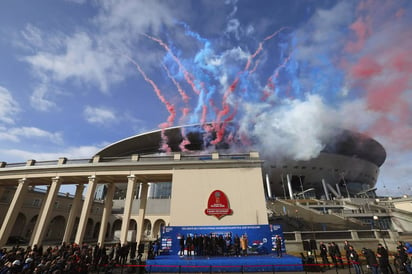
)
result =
(289, 186)
(108, 205)
(74, 210)
(142, 212)
(13, 211)
(269, 190)
(44, 217)
(131, 185)
(36, 225)
(87, 205)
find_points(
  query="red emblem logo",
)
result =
(218, 205)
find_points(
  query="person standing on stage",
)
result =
(244, 244)
(236, 245)
(189, 244)
(278, 241)
(182, 245)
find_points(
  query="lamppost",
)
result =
(376, 220)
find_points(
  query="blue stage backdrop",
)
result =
(261, 238)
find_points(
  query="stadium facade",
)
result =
(348, 165)
(187, 173)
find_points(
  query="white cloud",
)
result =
(93, 58)
(39, 99)
(8, 107)
(134, 17)
(323, 33)
(33, 35)
(36, 40)
(99, 115)
(17, 155)
(17, 133)
(81, 59)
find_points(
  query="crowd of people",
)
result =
(375, 261)
(73, 258)
(64, 258)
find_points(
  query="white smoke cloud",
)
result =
(296, 130)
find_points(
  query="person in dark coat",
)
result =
(346, 247)
(404, 261)
(189, 244)
(383, 259)
(236, 245)
(354, 259)
(278, 241)
(324, 254)
(182, 245)
(371, 260)
(338, 254)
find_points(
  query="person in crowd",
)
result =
(96, 254)
(182, 245)
(332, 254)
(383, 259)
(206, 245)
(338, 255)
(371, 261)
(117, 252)
(124, 253)
(228, 244)
(404, 260)
(353, 258)
(156, 248)
(244, 244)
(278, 242)
(197, 244)
(189, 244)
(346, 246)
(324, 254)
(236, 245)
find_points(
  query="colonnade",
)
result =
(43, 219)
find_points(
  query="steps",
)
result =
(296, 215)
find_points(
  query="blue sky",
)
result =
(78, 75)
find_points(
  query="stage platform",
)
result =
(252, 263)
